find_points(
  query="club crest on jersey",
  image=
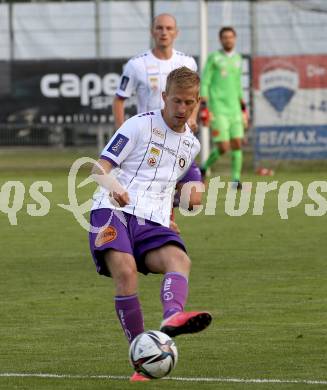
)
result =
(182, 161)
(118, 145)
(158, 132)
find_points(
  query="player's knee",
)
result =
(223, 149)
(177, 261)
(187, 263)
(236, 144)
(182, 263)
(127, 274)
(126, 281)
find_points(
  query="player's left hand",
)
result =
(174, 227)
(205, 116)
(245, 141)
(246, 120)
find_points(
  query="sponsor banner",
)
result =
(290, 100)
(291, 142)
(307, 107)
(60, 91)
(310, 70)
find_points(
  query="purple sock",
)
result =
(174, 291)
(130, 315)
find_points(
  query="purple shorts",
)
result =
(192, 174)
(134, 238)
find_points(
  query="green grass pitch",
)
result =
(263, 278)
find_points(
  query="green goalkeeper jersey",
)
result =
(221, 83)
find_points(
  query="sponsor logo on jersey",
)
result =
(118, 144)
(155, 151)
(163, 147)
(158, 132)
(124, 82)
(105, 236)
(152, 161)
(186, 143)
(154, 82)
(153, 155)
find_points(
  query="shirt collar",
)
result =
(228, 53)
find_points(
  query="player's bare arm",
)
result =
(193, 122)
(118, 110)
(101, 174)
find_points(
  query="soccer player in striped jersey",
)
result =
(222, 94)
(146, 74)
(131, 210)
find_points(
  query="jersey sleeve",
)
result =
(128, 81)
(206, 76)
(122, 143)
(195, 149)
(193, 65)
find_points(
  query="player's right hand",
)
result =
(121, 200)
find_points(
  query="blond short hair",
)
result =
(183, 78)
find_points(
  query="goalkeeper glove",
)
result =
(204, 114)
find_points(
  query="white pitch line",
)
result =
(181, 379)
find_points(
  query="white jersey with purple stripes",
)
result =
(146, 75)
(151, 157)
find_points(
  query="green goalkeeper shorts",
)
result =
(225, 128)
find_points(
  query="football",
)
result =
(153, 354)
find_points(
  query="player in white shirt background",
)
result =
(152, 150)
(146, 74)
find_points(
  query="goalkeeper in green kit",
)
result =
(223, 105)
